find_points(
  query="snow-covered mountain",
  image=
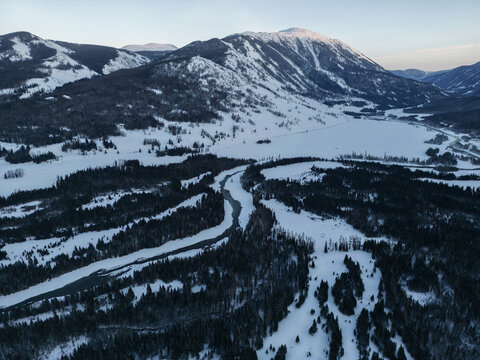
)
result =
(310, 64)
(218, 79)
(463, 80)
(150, 47)
(30, 64)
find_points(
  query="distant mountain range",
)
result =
(30, 64)
(152, 51)
(462, 81)
(150, 47)
(413, 74)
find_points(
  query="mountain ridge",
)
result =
(30, 64)
(463, 80)
(310, 64)
(149, 47)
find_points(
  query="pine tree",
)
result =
(313, 328)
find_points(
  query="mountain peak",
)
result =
(304, 33)
(292, 33)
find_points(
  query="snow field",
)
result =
(328, 266)
(352, 135)
(21, 210)
(301, 171)
(45, 174)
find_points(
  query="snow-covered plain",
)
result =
(44, 175)
(352, 135)
(301, 171)
(307, 138)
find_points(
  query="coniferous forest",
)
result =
(225, 300)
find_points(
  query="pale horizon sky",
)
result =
(423, 34)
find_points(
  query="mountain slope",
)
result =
(29, 64)
(463, 80)
(189, 90)
(310, 64)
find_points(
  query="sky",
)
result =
(398, 34)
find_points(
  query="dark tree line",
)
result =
(22, 155)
